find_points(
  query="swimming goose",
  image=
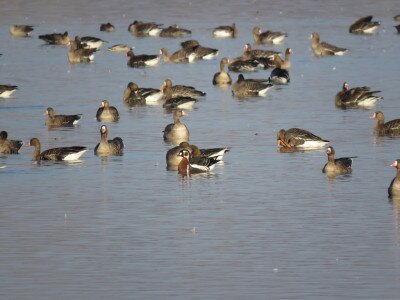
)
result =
(192, 165)
(120, 48)
(107, 27)
(92, 42)
(267, 37)
(180, 56)
(394, 187)
(132, 95)
(9, 146)
(364, 26)
(210, 152)
(6, 90)
(336, 166)
(243, 88)
(243, 66)
(61, 153)
(225, 31)
(54, 120)
(108, 147)
(176, 132)
(143, 60)
(174, 31)
(107, 113)
(179, 102)
(21, 30)
(77, 53)
(141, 29)
(193, 46)
(357, 96)
(299, 138)
(173, 159)
(173, 91)
(222, 77)
(323, 48)
(55, 38)
(280, 74)
(249, 53)
(391, 128)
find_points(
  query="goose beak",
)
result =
(27, 144)
(394, 164)
(45, 113)
(284, 144)
(372, 116)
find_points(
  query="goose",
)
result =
(357, 96)
(364, 26)
(61, 153)
(21, 30)
(243, 88)
(132, 95)
(108, 147)
(323, 48)
(299, 138)
(54, 120)
(107, 113)
(6, 90)
(176, 132)
(225, 31)
(55, 38)
(210, 152)
(9, 146)
(141, 29)
(336, 166)
(394, 187)
(249, 52)
(92, 42)
(243, 66)
(267, 37)
(193, 46)
(173, 91)
(77, 53)
(192, 165)
(107, 27)
(151, 96)
(179, 102)
(143, 60)
(174, 31)
(391, 128)
(173, 159)
(280, 74)
(396, 18)
(398, 28)
(120, 48)
(180, 56)
(222, 77)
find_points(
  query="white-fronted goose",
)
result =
(225, 31)
(180, 56)
(21, 30)
(249, 53)
(108, 147)
(120, 48)
(107, 27)
(336, 166)
(222, 77)
(132, 95)
(92, 42)
(394, 187)
(151, 96)
(55, 38)
(193, 46)
(299, 138)
(179, 103)
(141, 29)
(267, 37)
(61, 153)
(9, 146)
(391, 128)
(357, 96)
(323, 48)
(173, 91)
(54, 120)
(172, 157)
(192, 165)
(107, 113)
(6, 90)
(364, 26)
(77, 53)
(176, 132)
(244, 88)
(143, 60)
(174, 31)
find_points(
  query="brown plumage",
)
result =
(180, 56)
(107, 27)
(267, 37)
(364, 25)
(9, 146)
(394, 187)
(141, 29)
(61, 153)
(107, 113)
(193, 46)
(222, 77)
(323, 48)
(108, 147)
(336, 166)
(55, 38)
(172, 91)
(21, 30)
(132, 95)
(78, 52)
(142, 60)
(244, 88)
(172, 158)
(357, 96)
(391, 128)
(174, 31)
(226, 31)
(54, 120)
(176, 132)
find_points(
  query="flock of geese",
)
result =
(187, 158)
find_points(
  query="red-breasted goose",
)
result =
(55, 38)
(107, 113)
(21, 30)
(9, 146)
(209, 152)
(173, 159)
(391, 128)
(364, 25)
(299, 138)
(54, 120)
(357, 96)
(61, 153)
(192, 165)
(176, 132)
(267, 37)
(225, 31)
(108, 147)
(323, 48)
(336, 166)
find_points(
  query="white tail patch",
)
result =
(263, 92)
(191, 57)
(313, 144)
(222, 33)
(187, 105)
(278, 39)
(371, 101)
(7, 94)
(155, 32)
(74, 156)
(76, 122)
(154, 98)
(211, 55)
(153, 62)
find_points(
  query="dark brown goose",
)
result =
(108, 147)
(141, 29)
(6, 90)
(299, 138)
(174, 31)
(21, 30)
(244, 88)
(176, 132)
(180, 56)
(225, 31)
(323, 48)
(193, 46)
(173, 91)
(222, 77)
(107, 113)
(61, 153)
(55, 38)
(267, 37)
(132, 95)
(391, 128)
(143, 60)
(357, 96)
(394, 187)
(54, 120)
(107, 27)
(364, 25)
(9, 146)
(336, 166)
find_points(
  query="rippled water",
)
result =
(265, 225)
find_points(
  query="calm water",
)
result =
(265, 225)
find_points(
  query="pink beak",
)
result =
(372, 116)
(45, 113)
(27, 144)
(394, 164)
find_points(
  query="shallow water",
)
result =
(263, 225)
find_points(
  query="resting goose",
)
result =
(143, 60)
(222, 77)
(394, 187)
(210, 152)
(357, 96)
(225, 31)
(6, 90)
(249, 53)
(391, 128)
(180, 56)
(77, 53)
(55, 38)
(193, 46)
(21, 30)
(54, 120)
(192, 165)
(173, 159)
(92, 42)
(243, 88)
(174, 31)
(132, 95)
(243, 66)
(398, 28)
(9, 146)
(108, 147)
(323, 48)
(280, 74)
(173, 91)
(299, 138)
(61, 153)
(107, 27)
(141, 29)
(364, 26)
(336, 166)
(107, 113)
(120, 48)
(267, 37)
(176, 132)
